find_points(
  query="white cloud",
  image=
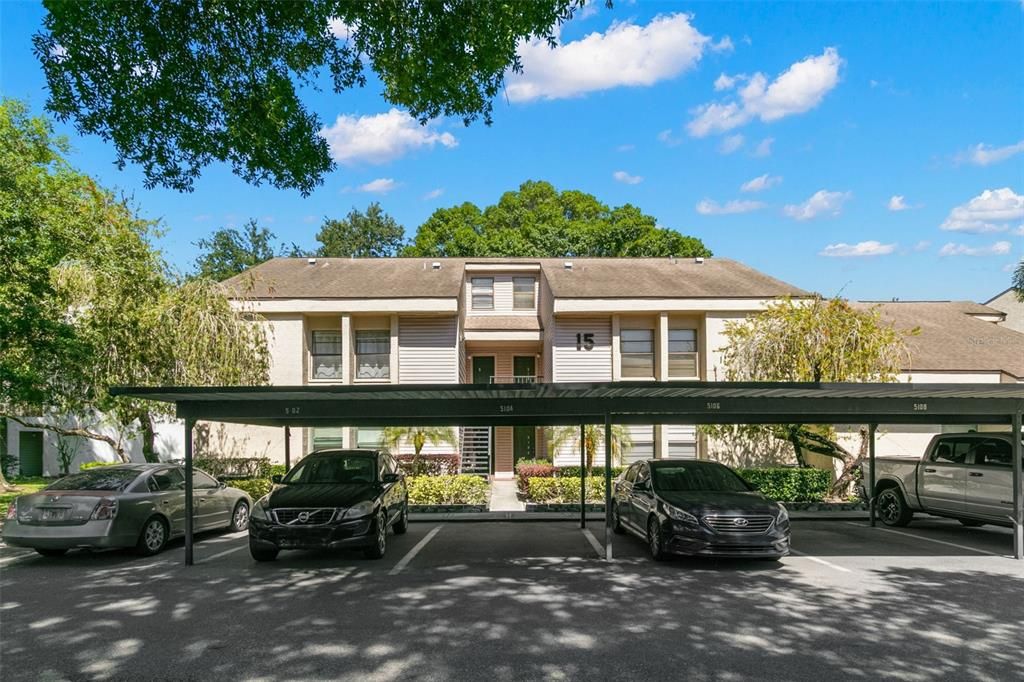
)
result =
(990, 211)
(764, 147)
(858, 250)
(761, 183)
(731, 144)
(798, 89)
(984, 155)
(997, 249)
(378, 186)
(625, 55)
(922, 245)
(709, 207)
(625, 148)
(339, 29)
(723, 45)
(724, 82)
(1019, 232)
(821, 202)
(897, 203)
(590, 8)
(310, 219)
(624, 177)
(669, 138)
(381, 138)
(434, 193)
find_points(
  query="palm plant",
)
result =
(593, 436)
(392, 436)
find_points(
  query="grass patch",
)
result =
(25, 485)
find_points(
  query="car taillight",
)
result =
(105, 509)
(12, 510)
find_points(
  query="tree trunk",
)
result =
(845, 479)
(148, 437)
(798, 451)
(4, 485)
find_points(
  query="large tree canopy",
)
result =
(539, 221)
(363, 234)
(87, 303)
(1018, 280)
(178, 84)
(229, 251)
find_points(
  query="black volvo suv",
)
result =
(332, 499)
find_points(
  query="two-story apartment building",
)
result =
(355, 321)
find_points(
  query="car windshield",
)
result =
(698, 476)
(334, 469)
(101, 478)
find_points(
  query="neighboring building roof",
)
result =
(588, 278)
(952, 339)
(503, 323)
(999, 295)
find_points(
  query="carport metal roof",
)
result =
(632, 402)
(646, 402)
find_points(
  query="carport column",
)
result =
(608, 487)
(1018, 497)
(583, 475)
(189, 516)
(287, 448)
(871, 472)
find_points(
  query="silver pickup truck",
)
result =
(965, 476)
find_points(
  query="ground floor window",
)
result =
(368, 438)
(641, 449)
(682, 450)
(327, 438)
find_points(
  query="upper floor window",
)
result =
(682, 353)
(523, 297)
(326, 354)
(637, 353)
(483, 293)
(373, 354)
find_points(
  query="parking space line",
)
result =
(816, 560)
(404, 561)
(938, 542)
(15, 559)
(220, 554)
(598, 547)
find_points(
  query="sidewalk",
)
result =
(503, 497)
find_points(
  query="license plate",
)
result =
(53, 515)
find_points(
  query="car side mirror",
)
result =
(276, 478)
(390, 478)
(642, 485)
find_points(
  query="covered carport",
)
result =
(600, 403)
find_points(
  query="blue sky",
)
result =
(881, 146)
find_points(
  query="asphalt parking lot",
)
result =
(525, 601)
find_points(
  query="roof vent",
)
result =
(436, 265)
(567, 265)
(699, 260)
(311, 261)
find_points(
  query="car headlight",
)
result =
(355, 511)
(783, 516)
(259, 510)
(680, 515)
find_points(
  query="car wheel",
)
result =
(892, 508)
(52, 553)
(617, 520)
(262, 553)
(654, 540)
(153, 537)
(240, 517)
(402, 524)
(380, 540)
(972, 523)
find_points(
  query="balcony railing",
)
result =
(516, 379)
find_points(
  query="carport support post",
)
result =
(608, 487)
(1018, 497)
(287, 448)
(583, 475)
(871, 472)
(189, 516)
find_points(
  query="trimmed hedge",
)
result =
(256, 487)
(458, 489)
(563, 489)
(429, 465)
(789, 484)
(234, 467)
(594, 471)
(524, 472)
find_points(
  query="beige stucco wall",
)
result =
(1008, 303)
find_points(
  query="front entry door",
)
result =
(524, 438)
(483, 369)
(30, 453)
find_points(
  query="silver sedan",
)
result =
(128, 505)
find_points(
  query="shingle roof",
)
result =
(951, 339)
(589, 278)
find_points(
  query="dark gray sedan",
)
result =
(128, 505)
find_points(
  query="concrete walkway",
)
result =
(503, 497)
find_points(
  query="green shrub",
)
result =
(92, 465)
(532, 462)
(563, 490)
(594, 471)
(234, 467)
(256, 487)
(524, 472)
(277, 470)
(790, 485)
(458, 489)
